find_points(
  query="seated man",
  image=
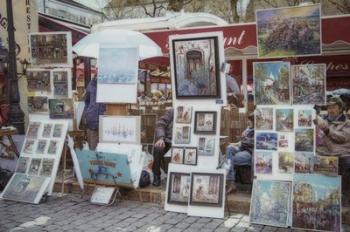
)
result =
(241, 153)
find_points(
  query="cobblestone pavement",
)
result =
(71, 213)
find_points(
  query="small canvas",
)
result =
(179, 188)
(304, 162)
(57, 131)
(304, 118)
(205, 122)
(33, 130)
(271, 203)
(61, 108)
(177, 155)
(182, 134)
(62, 83)
(263, 162)
(206, 146)
(38, 81)
(286, 162)
(47, 167)
(47, 130)
(41, 146)
(28, 147)
(190, 156)
(34, 166)
(53, 147)
(285, 120)
(183, 115)
(264, 118)
(37, 104)
(327, 165)
(120, 129)
(304, 140)
(266, 141)
(285, 141)
(317, 202)
(22, 164)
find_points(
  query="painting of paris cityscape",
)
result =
(271, 202)
(309, 84)
(271, 83)
(120, 129)
(289, 31)
(118, 65)
(317, 202)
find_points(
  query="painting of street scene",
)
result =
(61, 108)
(304, 140)
(317, 202)
(271, 83)
(263, 162)
(182, 135)
(118, 65)
(60, 83)
(284, 120)
(304, 162)
(38, 80)
(309, 84)
(37, 104)
(271, 202)
(207, 189)
(179, 188)
(264, 118)
(289, 31)
(304, 118)
(327, 165)
(266, 141)
(183, 114)
(286, 162)
(196, 68)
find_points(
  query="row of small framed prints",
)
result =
(35, 166)
(49, 130)
(57, 108)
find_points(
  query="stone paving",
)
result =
(72, 213)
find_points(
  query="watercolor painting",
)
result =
(177, 155)
(182, 135)
(286, 162)
(61, 108)
(266, 141)
(37, 104)
(38, 80)
(304, 118)
(304, 162)
(183, 114)
(327, 165)
(304, 140)
(264, 118)
(206, 146)
(179, 188)
(263, 162)
(285, 120)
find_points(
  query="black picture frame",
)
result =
(196, 121)
(220, 190)
(196, 155)
(193, 54)
(170, 200)
(182, 157)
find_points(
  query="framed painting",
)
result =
(53, 147)
(34, 166)
(206, 189)
(271, 203)
(37, 104)
(51, 49)
(177, 155)
(304, 118)
(41, 146)
(182, 135)
(304, 140)
(190, 156)
(28, 147)
(22, 164)
(285, 141)
(271, 83)
(206, 146)
(61, 83)
(205, 122)
(196, 67)
(47, 130)
(179, 188)
(278, 36)
(120, 129)
(33, 130)
(57, 131)
(61, 108)
(304, 162)
(266, 141)
(264, 118)
(309, 84)
(286, 162)
(47, 167)
(285, 120)
(327, 165)
(263, 162)
(183, 115)
(317, 193)
(38, 80)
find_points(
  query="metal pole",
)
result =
(16, 115)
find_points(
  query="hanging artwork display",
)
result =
(266, 141)
(196, 67)
(117, 74)
(120, 129)
(206, 189)
(264, 118)
(51, 49)
(38, 104)
(263, 162)
(26, 188)
(279, 36)
(206, 146)
(327, 165)
(304, 162)
(309, 84)
(304, 140)
(285, 120)
(182, 135)
(271, 83)
(179, 188)
(183, 115)
(61, 108)
(205, 122)
(317, 202)
(271, 203)
(38, 80)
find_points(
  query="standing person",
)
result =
(241, 153)
(163, 137)
(92, 112)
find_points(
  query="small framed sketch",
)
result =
(179, 188)
(57, 130)
(29, 146)
(205, 122)
(34, 167)
(183, 114)
(206, 146)
(22, 164)
(37, 104)
(190, 157)
(46, 168)
(53, 146)
(207, 189)
(33, 130)
(47, 130)
(182, 135)
(327, 165)
(177, 155)
(61, 108)
(41, 146)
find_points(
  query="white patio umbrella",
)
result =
(89, 45)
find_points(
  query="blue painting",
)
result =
(266, 141)
(271, 202)
(118, 65)
(105, 168)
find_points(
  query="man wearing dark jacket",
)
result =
(163, 136)
(92, 112)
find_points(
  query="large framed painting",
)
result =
(279, 36)
(51, 49)
(309, 84)
(179, 188)
(120, 129)
(271, 203)
(196, 67)
(271, 83)
(61, 108)
(317, 202)
(38, 80)
(205, 122)
(207, 189)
